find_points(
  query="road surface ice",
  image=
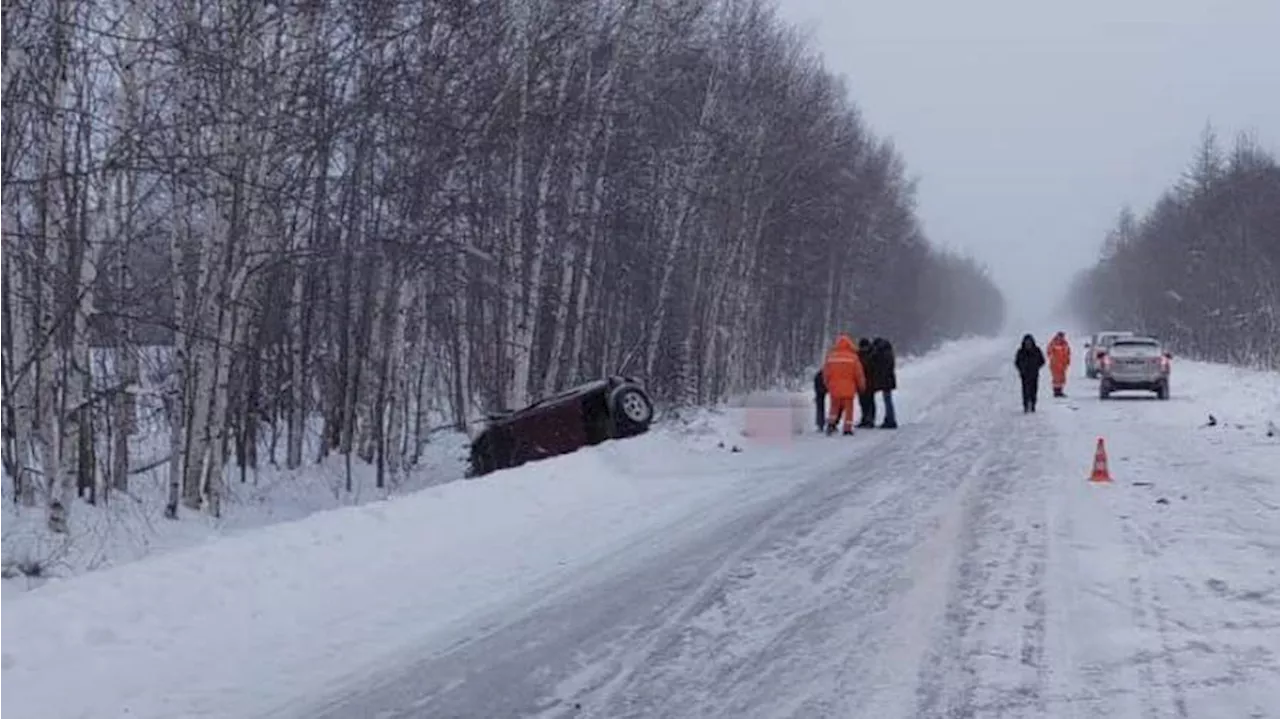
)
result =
(960, 566)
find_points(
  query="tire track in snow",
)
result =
(1158, 669)
(1185, 644)
(724, 649)
(1154, 541)
(930, 597)
(990, 656)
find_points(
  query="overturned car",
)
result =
(610, 408)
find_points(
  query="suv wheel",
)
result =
(631, 409)
(1162, 391)
(1104, 390)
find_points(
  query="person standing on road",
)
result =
(866, 396)
(1029, 360)
(882, 377)
(1059, 361)
(843, 376)
(820, 399)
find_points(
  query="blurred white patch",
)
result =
(775, 417)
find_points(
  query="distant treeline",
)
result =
(1201, 269)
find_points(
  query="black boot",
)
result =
(831, 428)
(848, 431)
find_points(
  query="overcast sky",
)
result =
(1029, 124)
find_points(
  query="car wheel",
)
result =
(1162, 391)
(1104, 390)
(631, 409)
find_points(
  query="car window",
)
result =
(1135, 349)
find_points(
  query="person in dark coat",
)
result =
(1029, 360)
(867, 398)
(883, 378)
(820, 399)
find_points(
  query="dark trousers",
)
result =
(1030, 390)
(890, 417)
(820, 404)
(867, 406)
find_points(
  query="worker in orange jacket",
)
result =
(1059, 361)
(842, 373)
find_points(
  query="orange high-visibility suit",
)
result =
(842, 372)
(1059, 361)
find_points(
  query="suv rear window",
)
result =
(1135, 349)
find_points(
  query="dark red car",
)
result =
(609, 408)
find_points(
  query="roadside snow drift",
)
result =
(249, 624)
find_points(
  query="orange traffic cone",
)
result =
(1100, 471)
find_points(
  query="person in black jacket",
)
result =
(820, 399)
(883, 378)
(867, 398)
(1029, 360)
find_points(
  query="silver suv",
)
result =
(1096, 346)
(1134, 363)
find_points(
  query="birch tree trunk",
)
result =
(125, 186)
(57, 297)
(516, 370)
(20, 371)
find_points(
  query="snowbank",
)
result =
(1239, 398)
(1231, 410)
(248, 623)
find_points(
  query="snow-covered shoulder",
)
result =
(245, 623)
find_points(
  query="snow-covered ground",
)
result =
(961, 565)
(241, 623)
(1168, 579)
(129, 527)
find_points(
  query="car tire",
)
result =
(1104, 390)
(1162, 392)
(631, 409)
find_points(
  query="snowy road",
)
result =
(859, 594)
(959, 567)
